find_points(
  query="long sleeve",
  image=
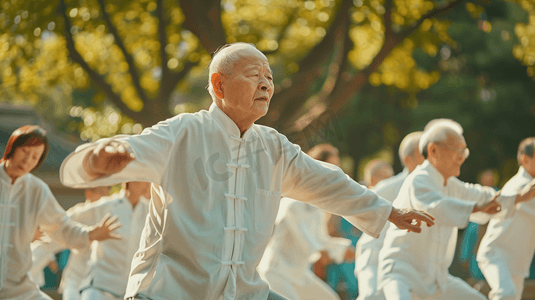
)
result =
(152, 149)
(327, 187)
(449, 211)
(54, 221)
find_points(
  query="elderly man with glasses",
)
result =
(415, 266)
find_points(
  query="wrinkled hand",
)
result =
(409, 219)
(490, 208)
(526, 193)
(104, 230)
(107, 159)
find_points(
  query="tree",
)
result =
(144, 56)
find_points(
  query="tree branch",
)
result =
(284, 30)
(309, 68)
(435, 12)
(294, 109)
(95, 77)
(128, 58)
(162, 37)
(348, 89)
(203, 18)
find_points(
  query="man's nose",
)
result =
(264, 84)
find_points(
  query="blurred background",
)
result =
(360, 74)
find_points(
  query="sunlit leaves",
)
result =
(525, 50)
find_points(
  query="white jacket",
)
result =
(211, 218)
(300, 233)
(25, 205)
(510, 238)
(422, 260)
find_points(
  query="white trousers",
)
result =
(71, 291)
(455, 289)
(313, 288)
(96, 294)
(503, 285)
(367, 281)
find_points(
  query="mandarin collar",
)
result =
(3, 174)
(5, 177)
(435, 174)
(226, 122)
(524, 173)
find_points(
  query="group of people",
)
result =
(216, 183)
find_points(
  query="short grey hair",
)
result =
(439, 132)
(223, 61)
(374, 168)
(409, 145)
(440, 120)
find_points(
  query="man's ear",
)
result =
(431, 148)
(217, 85)
(524, 159)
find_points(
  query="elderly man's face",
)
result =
(450, 155)
(249, 87)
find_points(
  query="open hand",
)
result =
(410, 219)
(104, 230)
(107, 159)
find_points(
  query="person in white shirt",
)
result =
(416, 266)
(109, 264)
(43, 253)
(220, 179)
(300, 238)
(27, 203)
(376, 171)
(507, 248)
(367, 251)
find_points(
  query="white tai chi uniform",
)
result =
(413, 264)
(506, 250)
(110, 261)
(75, 270)
(300, 233)
(213, 214)
(367, 250)
(25, 205)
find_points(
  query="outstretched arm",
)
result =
(104, 229)
(410, 219)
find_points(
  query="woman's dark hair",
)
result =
(29, 135)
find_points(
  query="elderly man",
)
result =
(221, 178)
(377, 170)
(367, 252)
(508, 246)
(416, 266)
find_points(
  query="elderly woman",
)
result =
(27, 203)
